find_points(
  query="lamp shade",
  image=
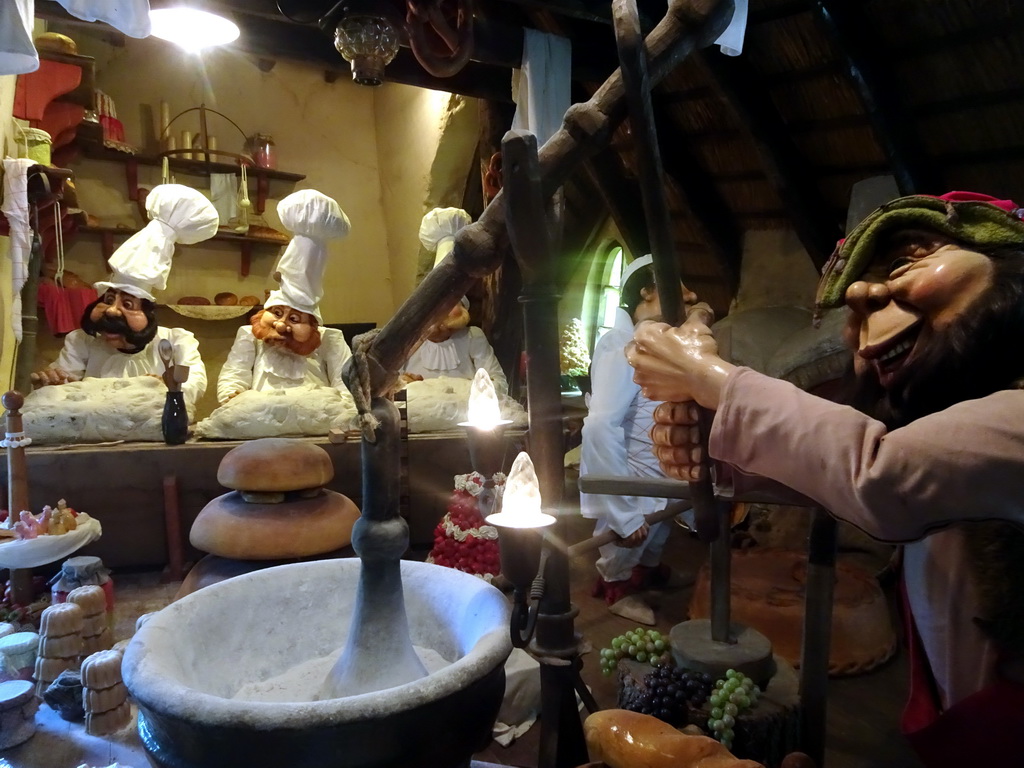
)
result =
(190, 25)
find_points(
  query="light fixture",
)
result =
(521, 546)
(484, 427)
(191, 28)
(367, 39)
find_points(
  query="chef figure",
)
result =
(119, 337)
(285, 345)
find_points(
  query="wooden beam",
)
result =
(697, 188)
(599, 11)
(848, 27)
(785, 168)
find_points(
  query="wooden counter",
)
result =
(122, 485)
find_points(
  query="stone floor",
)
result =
(863, 711)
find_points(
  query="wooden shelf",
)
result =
(244, 242)
(263, 176)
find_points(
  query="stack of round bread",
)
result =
(95, 629)
(60, 643)
(278, 508)
(104, 694)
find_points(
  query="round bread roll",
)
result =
(275, 464)
(248, 301)
(198, 301)
(226, 299)
(55, 42)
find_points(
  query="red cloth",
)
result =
(985, 729)
(64, 306)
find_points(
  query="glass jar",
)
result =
(264, 153)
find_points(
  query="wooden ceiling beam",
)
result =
(599, 11)
(849, 29)
(697, 188)
(621, 195)
(785, 168)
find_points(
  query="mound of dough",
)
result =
(436, 405)
(96, 411)
(296, 412)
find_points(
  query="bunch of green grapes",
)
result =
(729, 698)
(643, 645)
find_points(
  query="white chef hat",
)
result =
(634, 266)
(313, 218)
(437, 233)
(438, 230)
(177, 214)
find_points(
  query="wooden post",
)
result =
(175, 570)
(17, 486)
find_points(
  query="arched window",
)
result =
(602, 294)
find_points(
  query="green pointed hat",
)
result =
(967, 217)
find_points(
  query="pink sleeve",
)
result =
(966, 462)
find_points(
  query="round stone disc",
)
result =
(748, 651)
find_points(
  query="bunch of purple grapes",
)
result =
(669, 694)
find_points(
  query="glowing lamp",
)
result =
(191, 28)
(485, 427)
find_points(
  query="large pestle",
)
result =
(379, 652)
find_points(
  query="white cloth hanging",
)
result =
(17, 53)
(15, 208)
(128, 16)
(542, 88)
(313, 218)
(730, 42)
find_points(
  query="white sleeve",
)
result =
(604, 450)
(74, 356)
(482, 356)
(186, 352)
(336, 353)
(236, 373)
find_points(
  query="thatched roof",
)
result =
(827, 92)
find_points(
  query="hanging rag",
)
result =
(17, 53)
(542, 88)
(730, 42)
(224, 195)
(128, 16)
(15, 208)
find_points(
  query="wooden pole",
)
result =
(17, 486)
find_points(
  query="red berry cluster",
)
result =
(474, 554)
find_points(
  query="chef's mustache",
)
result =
(117, 324)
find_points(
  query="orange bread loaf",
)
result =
(624, 739)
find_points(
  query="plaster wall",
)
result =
(776, 271)
(7, 341)
(323, 130)
(427, 145)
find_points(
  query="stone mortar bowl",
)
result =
(186, 662)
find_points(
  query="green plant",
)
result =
(573, 354)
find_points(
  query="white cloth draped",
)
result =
(542, 88)
(128, 16)
(17, 53)
(15, 208)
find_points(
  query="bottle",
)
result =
(264, 152)
(175, 419)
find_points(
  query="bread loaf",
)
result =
(101, 723)
(198, 301)
(64, 647)
(102, 670)
(92, 599)
(225, 299)
(105, 699)
(275, 464)
(248, 301)
(624, 739)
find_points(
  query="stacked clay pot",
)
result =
(278, 508)
(95, 628)
(60, 643)
(104, 694)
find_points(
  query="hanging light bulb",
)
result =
(189, 26)
(369, 41)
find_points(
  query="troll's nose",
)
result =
(864, 297)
